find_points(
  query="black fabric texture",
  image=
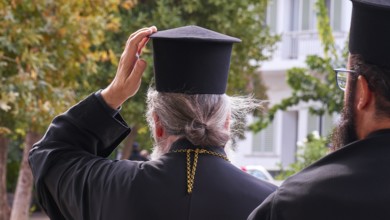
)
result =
(196, 33)
(191, 60)
(370, 31)
(351, 183)
(75, 181)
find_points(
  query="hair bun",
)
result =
(196, 132)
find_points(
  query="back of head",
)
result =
(200, 118)
(191, 66)
(369, 46)
(378, 78)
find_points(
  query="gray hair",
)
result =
(200, 118)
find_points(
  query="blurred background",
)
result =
(53, 53)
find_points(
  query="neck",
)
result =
(163, 145)
(369, 126)
(168, 141)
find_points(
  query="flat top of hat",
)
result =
(194, 33)
(378, 3)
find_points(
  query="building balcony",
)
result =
(294, 47)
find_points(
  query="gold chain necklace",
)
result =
(191, 171)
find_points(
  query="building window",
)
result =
(263, 141)
(272, 15)
(334, 12)
(303, 15)
(308, 16)
(322, 124)
(312, 123)
(328, 124)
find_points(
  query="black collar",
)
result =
(186, 144)
(379, 133)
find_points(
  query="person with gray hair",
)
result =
(192, 121)
(202, 119)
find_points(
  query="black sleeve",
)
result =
(109, 110)
(68, 163)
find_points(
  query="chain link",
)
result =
(191, 169)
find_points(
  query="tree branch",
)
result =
(7, 59)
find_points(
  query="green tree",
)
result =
(244, 19)
(44, 47)
(4, 207)
(309, 151)
(315, 83)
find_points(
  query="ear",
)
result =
(157, 126)
(365, 95)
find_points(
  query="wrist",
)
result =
(110, 99)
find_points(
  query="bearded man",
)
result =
(351, 183)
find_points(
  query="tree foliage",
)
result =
(309, 151)
(53, 53)
(316, 83)
(44, 48)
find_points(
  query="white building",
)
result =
(295, 21)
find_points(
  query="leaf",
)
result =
(4, 130)
(4, 106)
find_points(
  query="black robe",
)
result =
(352, 183)
(75, 181)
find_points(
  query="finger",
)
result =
(137, 38)
(129, 55)
(141, 33)
(134, 81)
(137, 72)
(145, 41)
(134, 41)
(132, 46)
(132, 35)
(153, 28)
(142, 45)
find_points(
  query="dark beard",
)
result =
(345, 132)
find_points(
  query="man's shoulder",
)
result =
(337, 179)
(299, 193)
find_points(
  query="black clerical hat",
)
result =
(191, 60)
(370, 31)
